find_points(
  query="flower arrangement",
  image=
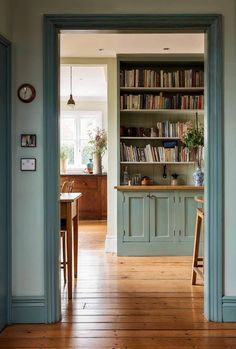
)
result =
(193, 136)
(193, 139)
(98, 141)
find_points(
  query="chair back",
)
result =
(64, 187)
(70, 186)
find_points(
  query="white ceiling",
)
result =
(110, 44)
(89, 81)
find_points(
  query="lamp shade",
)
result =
(71, 101)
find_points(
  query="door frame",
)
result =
(7, 131)
(209, 24)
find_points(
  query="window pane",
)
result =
(85, 152)
(87, 124)
(69, 148)
(68, 129)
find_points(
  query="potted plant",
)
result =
(65, 151)
(174, 179)
(98, 144)
(194, 140)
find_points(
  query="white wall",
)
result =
(28, 66)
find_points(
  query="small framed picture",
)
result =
(27, 164)
(28, 141)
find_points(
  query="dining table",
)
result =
(69, 209)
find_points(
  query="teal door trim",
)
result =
(5, 134)
(209, 24)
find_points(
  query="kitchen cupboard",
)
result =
(159, 222)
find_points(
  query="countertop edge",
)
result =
(84, 174)
(157, 187)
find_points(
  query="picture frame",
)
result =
(28, 140)
(28, 164)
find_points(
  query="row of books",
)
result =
(171, 129)
(161, 78)
(150, 101)
(155, 154)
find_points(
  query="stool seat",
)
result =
(198, 261)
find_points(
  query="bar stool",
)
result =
(198, 262)
(67, 186)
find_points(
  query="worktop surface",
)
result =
(157, 187)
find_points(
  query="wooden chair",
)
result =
(64, 187)
(67, 187)
(70, 186)
(198, 262)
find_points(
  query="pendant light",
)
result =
(71, 101)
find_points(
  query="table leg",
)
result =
(69, 249)
(75, 226)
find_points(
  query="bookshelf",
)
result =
(158, 97)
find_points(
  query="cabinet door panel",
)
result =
(162, 216)
(187, 215)
(88, 206)
(136, 217)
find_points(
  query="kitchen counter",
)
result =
(157, 187)
(82, 174)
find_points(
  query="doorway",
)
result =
(210, 24)
(5, 183)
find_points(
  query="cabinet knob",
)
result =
(153, 196)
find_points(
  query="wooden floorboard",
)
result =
(126, 303)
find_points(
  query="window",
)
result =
(74, 133)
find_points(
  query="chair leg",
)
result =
(63, 235)
(196, 248)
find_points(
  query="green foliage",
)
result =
(98, 141)
(66, 151)
(86, 154)
(193, 137)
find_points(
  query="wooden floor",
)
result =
(126, 302)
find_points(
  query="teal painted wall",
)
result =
(6, 7)
(28, 256)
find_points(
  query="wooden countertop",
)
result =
(157, 187)
(69, 197)
(83, 174)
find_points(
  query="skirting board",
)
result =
(28, 310)
(111, 244)
(229, 308)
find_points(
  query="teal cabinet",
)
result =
(185, 215)
(136, 216)
(162, 216)
(152, 223)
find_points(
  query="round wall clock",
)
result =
(26, 93)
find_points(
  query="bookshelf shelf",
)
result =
(153, 138)
(169, 111)
(158, 163)
(162, 89)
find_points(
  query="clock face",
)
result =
(26, 93)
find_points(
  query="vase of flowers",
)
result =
(194, 140)
(98, 144)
